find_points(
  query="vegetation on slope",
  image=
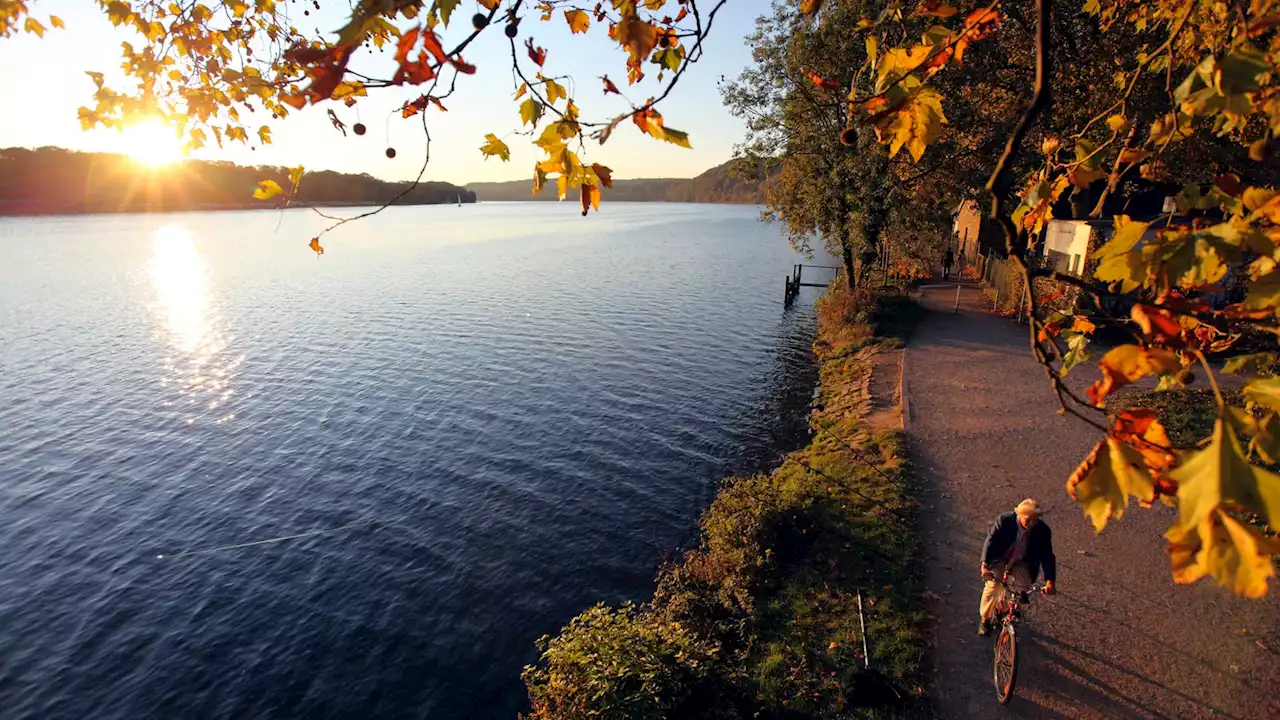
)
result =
(56, 181)
(720, 184)
(762, 618)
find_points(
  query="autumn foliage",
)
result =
(221, 72)
(1219, 75)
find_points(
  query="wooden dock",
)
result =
(796, 280)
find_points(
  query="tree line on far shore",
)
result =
(49, 181)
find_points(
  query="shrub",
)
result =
(623, 663)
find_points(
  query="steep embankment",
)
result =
(762, 619)
(717, 185)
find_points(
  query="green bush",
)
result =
(620, 663)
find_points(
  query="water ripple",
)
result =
(538, 407)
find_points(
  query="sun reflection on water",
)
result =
(198, 369)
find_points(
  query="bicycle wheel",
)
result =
(1006, 665)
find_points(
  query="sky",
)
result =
(47, 84)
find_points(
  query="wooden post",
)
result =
(957, 310)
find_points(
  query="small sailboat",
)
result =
(459, 199)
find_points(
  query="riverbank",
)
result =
(763, 618)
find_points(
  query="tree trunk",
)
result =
(847, 252)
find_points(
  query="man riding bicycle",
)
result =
(1018, 545)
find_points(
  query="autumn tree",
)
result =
(1199, 83)
(792, 100)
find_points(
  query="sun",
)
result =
(152, 143)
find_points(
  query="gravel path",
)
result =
(1120, 640)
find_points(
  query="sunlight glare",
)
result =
(152, 143)
(179, 277)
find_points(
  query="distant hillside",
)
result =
(56, 181)
(717, 185)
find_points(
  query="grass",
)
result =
(1187, 414)
(762, 619)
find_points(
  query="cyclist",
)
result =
(1020, 544)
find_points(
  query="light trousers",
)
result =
(1019, 579)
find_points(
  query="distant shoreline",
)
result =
(212, 207)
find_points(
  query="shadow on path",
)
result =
(1122, 640)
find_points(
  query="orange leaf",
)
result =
(1083, 325)
(590, 197)
(604, 173)
(1158, 325)
(315, 245)
(431, 43)
(405, 46)
(1139, 428)
(463, 67)
(649, 121)
(1127, 364)
(823, 83)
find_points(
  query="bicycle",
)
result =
(1009, 610)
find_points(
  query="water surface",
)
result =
(533, 406)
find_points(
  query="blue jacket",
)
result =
(1039, 551)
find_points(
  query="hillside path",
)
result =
(1120, 640)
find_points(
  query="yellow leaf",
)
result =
(1255, 198)
(350, 88)
(578, 20)
(676, 137)
(1105, 480)
(916, 123)
(562, 186)
(33, 26)
(898, 62)
(554, 91)
(530, 111)
(489, 4)
(295, 177)
(1118, 123)
(315, 245)
(264, 135)
(1220, 473)
(494, 146)
(809, 7)
(1234, 554)
(1118, 260)
(267, 189)
(446, 9)
(56, 21)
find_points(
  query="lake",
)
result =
(497, 415)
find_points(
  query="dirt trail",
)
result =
(1120, 640)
